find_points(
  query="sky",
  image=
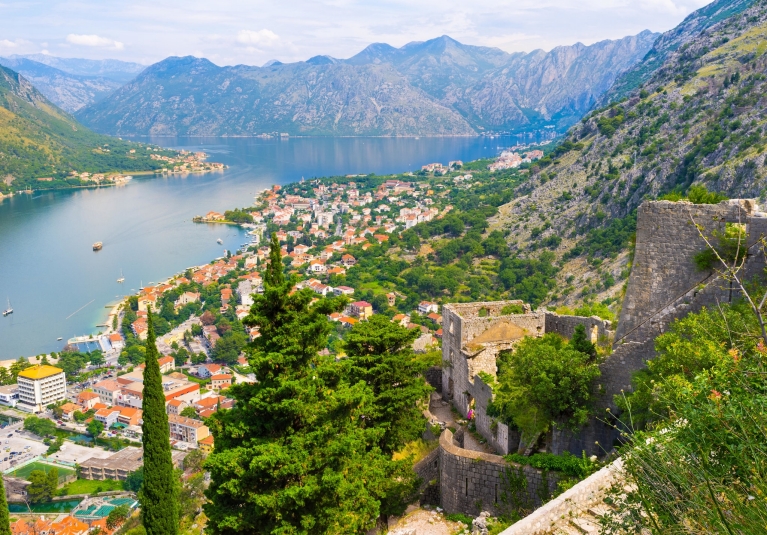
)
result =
(251, 32)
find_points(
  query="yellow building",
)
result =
(40, 386)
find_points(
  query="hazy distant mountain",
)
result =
(69, 92)
(113, 69)
(436, 87)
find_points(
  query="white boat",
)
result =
(8, 310)
(59, 339)
(121, 279)
(141, 286)
(219, 241)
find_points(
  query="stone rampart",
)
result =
(472, 481)
(597, 329)
(569, 505)
(498, 435)
(428, 470)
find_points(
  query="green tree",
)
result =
(381, 356)
(543, 381)
(189, 412)
(194, 460)
(580, 342)
(135, 480)
(159, 494)
(117, 516)
(95, 428)
(5, 526)
(40, 488)
(295, 454)
(39, 426)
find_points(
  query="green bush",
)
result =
(460, 517)
(567, 463)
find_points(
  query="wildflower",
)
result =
(715, 395)
(761, 348)
(735, 354)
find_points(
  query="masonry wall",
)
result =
(498, 435)
(596, 328)
(472, 481)
(428, 470)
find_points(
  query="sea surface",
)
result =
(59, 287)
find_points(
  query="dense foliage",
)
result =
(567, 463)
(544, 381)
(301, 450)
(700, 466)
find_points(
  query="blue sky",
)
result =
(251, 32)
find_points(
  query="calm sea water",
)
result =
(59, 287)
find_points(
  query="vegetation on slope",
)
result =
(38, 140)
(698, 121)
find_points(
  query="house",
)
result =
(226, 296)
(220, 380)
(130, 416)
(140, 328)
(402, 319)
(361, 309)
(348, 322)
(343, 290)
(205, 371)
(167, 364)
(391, 297)
(187, 429)
(107, 390)
(9, 395)
(425, 307)
(436, 318)
(108, 417)
(116, 341)
(175, 406)
(348, 260)
(87, 400)
(317, 266)
(206, 444)
(68, 410)
(186, 298)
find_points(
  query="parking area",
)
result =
(17, 442)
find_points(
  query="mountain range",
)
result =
(73, 83)
(436, 87)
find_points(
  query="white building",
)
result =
(40, 386)
(9, 395)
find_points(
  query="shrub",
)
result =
(567, 463)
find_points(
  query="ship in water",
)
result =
(219, 241)
(121, 279)
(98, 246)
(8, 310)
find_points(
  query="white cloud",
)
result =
(94, 40)
(260, 39)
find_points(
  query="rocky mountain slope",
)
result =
(437, 87)
(70, 92)
(38, 140)
(699, 119)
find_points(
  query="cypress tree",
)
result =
(5, 521)
(159, 494)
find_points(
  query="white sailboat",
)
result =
(8, 310)
(121, 279)
(141, 287)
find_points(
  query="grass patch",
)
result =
(24, 471)
(89, 486)
(194, 379)
(417, 449)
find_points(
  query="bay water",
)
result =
(59, 287)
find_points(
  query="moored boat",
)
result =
(98, 246)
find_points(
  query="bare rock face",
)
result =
(437, 87)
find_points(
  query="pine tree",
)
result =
(5, 527)
(296, 454)
(380, 355)
(581, 343)
(159, 494)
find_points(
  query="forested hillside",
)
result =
(38, 140)
(698, 120)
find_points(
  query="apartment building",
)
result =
(187, 429)
(40, 386)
